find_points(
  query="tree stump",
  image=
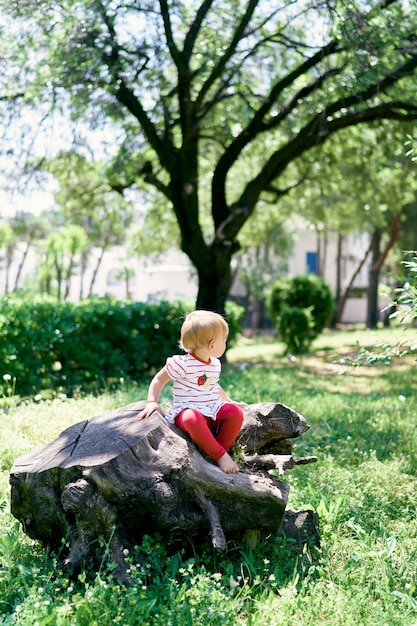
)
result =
(111, 479)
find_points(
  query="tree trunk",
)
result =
(58, 270)
(215, 278)
(378, 260)
(21, 265)
(68, 276)
(117, 478)
(372, 311)
(322, 241)
(8, 263)
(95, 271)
(256, 314)
(338, 290)
(83, 267)
(349, 283)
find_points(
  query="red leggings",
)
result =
(215, 437)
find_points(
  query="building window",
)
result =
(311, 259)
(113, 279)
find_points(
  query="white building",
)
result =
(310, 251)
(305, 259)
(173, 277)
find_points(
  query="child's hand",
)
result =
(149, 409)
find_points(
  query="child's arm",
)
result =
(158, 382)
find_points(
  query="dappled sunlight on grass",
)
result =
(329, 358)
(264, 349)
(334, 343)
(352, 411)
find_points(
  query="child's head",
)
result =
(200, 328)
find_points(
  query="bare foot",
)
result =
(227, 464)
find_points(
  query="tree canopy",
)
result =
(209, 103)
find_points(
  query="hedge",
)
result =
(88, 345)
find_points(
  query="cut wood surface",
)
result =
(117, 478)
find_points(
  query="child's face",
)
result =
(218, 345)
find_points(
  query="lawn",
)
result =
(363, 430)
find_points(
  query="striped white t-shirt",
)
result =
(195, 385)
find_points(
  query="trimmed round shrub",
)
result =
(300, 308)
(311, 292)
(278, 299)
(296, 329)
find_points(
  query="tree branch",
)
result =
(11, 97)
(406, 69)
(349, 282)
(219, 68)
(257, 125)
(280, 462)
(195, 28)
(173, 49)
(218, 538)
(313, 134)
(319, 129)
(126, 97)
(391, 241)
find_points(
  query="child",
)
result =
(201, 408)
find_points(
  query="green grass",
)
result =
(364, 487)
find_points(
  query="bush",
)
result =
(300, 308)
(296, 329)
(64, 346)
(234, 314)
(406, 300)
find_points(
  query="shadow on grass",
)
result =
(350, 414)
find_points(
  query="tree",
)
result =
(87, 201)
(125, 274)
(61, 249)
(407, 294)
(265, 245)
(246, 85)
(6, 241)
(28, 229)
(367, 192)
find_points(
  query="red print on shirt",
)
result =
(202, 380)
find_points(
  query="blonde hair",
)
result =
(199, 328)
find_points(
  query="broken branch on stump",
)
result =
(280, 462)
